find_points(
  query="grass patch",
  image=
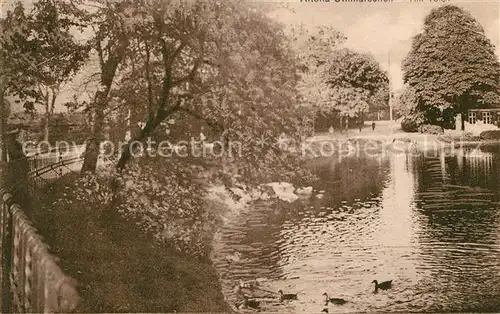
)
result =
(120, 268)
(490, 135)
(458, 137)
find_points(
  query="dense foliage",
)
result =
(405, 104)
(431, 129)
(490, 135)
(39, 53)
(118, 266)
(355, 79)
(451, 66)
(223, 63)
(333, 79)
(409, 125)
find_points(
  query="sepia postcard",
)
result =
(241, 156)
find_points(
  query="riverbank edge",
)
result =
(380, 142)
(459, 141)
(118, 268)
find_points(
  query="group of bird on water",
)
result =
(255, 304)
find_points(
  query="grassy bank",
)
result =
(118, 267)
(459, 137)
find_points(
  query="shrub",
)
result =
(457, 137)
(431, 129)
(409, 125)
(117, 263)
(490, 135)
(411, 122)
(468, 136)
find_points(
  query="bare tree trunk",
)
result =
(93, 144)
(150, 126)
(108, 69)
(3, 124)
(50, 109)
(47, 121)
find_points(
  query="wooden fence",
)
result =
(30, 278)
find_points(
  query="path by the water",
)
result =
(386, 132)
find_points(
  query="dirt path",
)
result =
(385, 131)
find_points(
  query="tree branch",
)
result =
(190, 77)
(150, 126)
(216, 126)
(148, 77)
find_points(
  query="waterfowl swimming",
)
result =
(250, 303)
(383, 285)
(287, 296)
(236, 257)
(337, 301)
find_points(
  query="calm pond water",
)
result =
(430, 223)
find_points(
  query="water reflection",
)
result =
(431, 224)
(459, 242)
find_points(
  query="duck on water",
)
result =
(248, 304)
(337, 301)
(287, 296)
(382, 286)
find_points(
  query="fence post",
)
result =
(6, 253)
(60, 161)
(36, 164)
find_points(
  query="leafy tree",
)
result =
(223, 63)
(112, 25)
(452, 65)
(405, 104)
(379, 102)
(40, 54)
(355, 80)
(313, 50)
(337, 80)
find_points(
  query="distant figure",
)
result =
(373, 125)
(331, 130)
(360, 124)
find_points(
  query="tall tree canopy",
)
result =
(334, 79)
(355, 80)
(223, 63)
(452, 65)
(313, 50)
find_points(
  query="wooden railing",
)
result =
(31, 280)
(45, 166)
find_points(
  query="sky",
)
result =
(384, 29)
